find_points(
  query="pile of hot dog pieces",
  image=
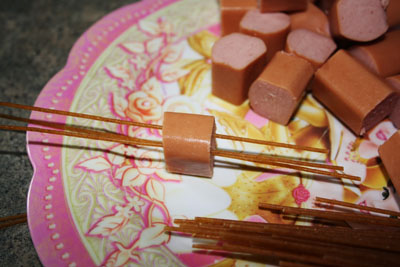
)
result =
(346, 52)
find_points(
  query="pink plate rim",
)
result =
(56, 240)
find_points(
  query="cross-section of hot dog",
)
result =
(313, 47)
(360, 21)
(237, 60)
(188, 140)
(351, 92)
(272, 28)
(279, 89)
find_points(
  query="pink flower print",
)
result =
(121, 256)
(123, 73)
(138, 62)
(113, 223)
(133, 177)
(152, 162)
(146, 166)
(300, 194)
(134, 203)
(153, 235)
(148, 161)
(155, 28)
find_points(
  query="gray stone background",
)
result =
(35, 39)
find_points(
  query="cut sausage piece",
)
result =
(309, 45)
(279, 89)
(361, 21)
(313, 19)
(393, 13)
(237, 60)
(382, 56)
(390, 155)
(351, 92)
(394, 81)
(282, 5)
(232, 11)
(188, 140)
(272, 28)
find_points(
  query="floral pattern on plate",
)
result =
(101, 203)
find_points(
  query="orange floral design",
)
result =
(146, 105)
(143, 107)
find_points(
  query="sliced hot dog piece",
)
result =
(188, 140)
(381, 56)
(394, 81)
(279, 89)
(390, 155)
(351, 92)
(313, 19)
(309, 45)
(361, 21)
(232, 11)
(272, 28)
(237, 60)
(282, 5)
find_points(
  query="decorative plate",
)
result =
(95, 203)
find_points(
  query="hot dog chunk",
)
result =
(390, 155)
(381, 56)
(351, 92)
(272, 28)
(237, 60)
(313, 19)
(188, 140)
(360, 21)
(232, 11)
(394, 81)
(282, 5)
(279, 89)
(309, 45)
